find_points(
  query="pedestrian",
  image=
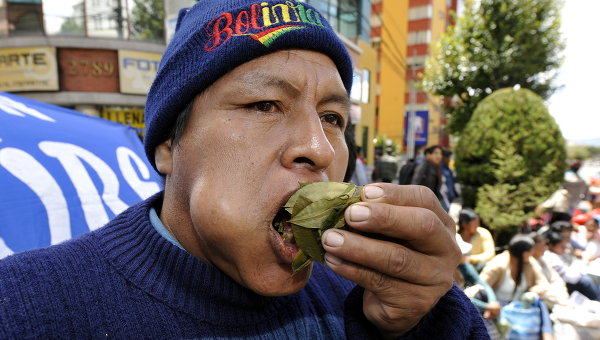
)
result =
(429, 173)
(360, 173)
(387, 166)
(449, 177)
(250, 100)
(575, 185)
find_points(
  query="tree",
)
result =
(72, 26)
(510, 158)
(147, 20)
(495, 44)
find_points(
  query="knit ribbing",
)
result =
(177, 278)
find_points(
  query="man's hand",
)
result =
(406, 271)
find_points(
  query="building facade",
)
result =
(427, 20)
(404, 34)
(388, 33)
(95, 56)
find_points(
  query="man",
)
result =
(249, 101)
(428, 173)
(387, 166)
(448, 174)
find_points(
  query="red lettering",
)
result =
(255, 10)
(218, 31)
(241, 23)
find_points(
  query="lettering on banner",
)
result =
(16, 108)
(36, 177)
(33, 174)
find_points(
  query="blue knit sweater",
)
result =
(126, 281)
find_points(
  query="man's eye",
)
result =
(332, 118)
(264, 106)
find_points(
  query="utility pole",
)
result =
(412, 114)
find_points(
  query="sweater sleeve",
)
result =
(453, 317)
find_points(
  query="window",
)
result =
(344, 16)
(124, 19)
(419, 12)
(24, 17)
(419, 37)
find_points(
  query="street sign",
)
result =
(420, 127)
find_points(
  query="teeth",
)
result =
(288, 236)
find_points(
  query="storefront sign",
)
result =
(28, 69)
(86, 70)
(137, 70)
(133, 117)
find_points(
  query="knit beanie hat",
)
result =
(215, 36)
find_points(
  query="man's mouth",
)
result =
(283, 227)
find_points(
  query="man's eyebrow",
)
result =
(335, 98)
(262, 79)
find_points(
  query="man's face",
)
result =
(251, 137)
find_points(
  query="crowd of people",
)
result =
(430, 169)
(555, 257)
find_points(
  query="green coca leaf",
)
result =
(318, 214)
(300, 261)
(314, 208)
(309, 242)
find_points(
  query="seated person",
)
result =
(468, 277)
(480, 238)
(572, 271)
(592, 238)
(514, 272)
(557, 290)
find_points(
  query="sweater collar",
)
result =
(175, 277)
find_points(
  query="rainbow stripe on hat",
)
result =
(267, 37)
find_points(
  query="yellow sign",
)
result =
(137, 70)
(28, 69)
(133, 116)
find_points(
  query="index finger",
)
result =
(408, 196)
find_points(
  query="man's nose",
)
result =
(308, 145)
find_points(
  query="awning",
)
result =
(63, 173)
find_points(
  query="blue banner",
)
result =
(421, 124)
(63, 173)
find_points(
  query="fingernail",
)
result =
(334, 239)
(332, 259)
(372, 192)
(359, 213)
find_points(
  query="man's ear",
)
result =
(163, 157)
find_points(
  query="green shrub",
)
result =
(510, 157)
